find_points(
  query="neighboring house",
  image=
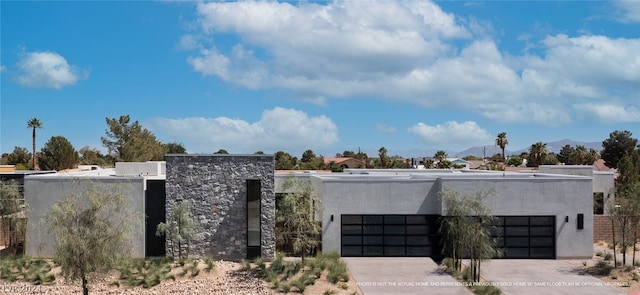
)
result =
(463, 164)
(345, 162)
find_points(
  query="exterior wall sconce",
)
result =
(580, 221)
(566, 219)
(331, 217)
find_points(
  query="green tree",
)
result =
(334, 167)
(59, 154)
(91, 230)
(309, 161)
(34, 123)
(179, 229)
(298, 212)
(580, 155)
(515, 161)
(551, 159)
(592, 157)
(347, 154)
(502, 142)
(441, 161)
(383, 158)
(129, 142)
(221, 152)
(467, 227)
(566, 155)
(538, 153)
(11, 203)
(284, 161)
(19, 156)
(92, 156)
(308, 156)
(174, 148)
(616, 146)
(259, 153)
(627, 207)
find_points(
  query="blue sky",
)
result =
(412, 76)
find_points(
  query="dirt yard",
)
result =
(226, 278)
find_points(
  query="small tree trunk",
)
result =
(625, 242)
(85, 288)
(635, 240)
(613, 237)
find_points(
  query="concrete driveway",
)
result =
(535, 277)
(399, 275)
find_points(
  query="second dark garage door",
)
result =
(389, 235)
(417, 235)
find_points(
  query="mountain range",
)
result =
(552, 147)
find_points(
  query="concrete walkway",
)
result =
(535, 277)
(399, 275)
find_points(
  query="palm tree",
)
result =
(34, 124)
(580, 154)
(593, 156)
(502, 142)
(538, 152)
(440, 156)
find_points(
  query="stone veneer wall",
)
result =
(217, 186)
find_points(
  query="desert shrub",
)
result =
(285, 287)
(145, 273)
(245, 265)
(337, 272)
(486, 290)
(603, 268)
(277, 265)
(448, 263)
(25, 269)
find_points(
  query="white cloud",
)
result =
(3, 69)
(46, 69)
(610, 113)
(278, 129)
(384, 128)
(409, 51)
(629, 10)
(452, 134)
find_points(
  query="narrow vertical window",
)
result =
(253, 218)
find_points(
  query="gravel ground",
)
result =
(223, 280)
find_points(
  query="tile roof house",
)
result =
(345, 162)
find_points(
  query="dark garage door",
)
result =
(389, 235)
(526, 236)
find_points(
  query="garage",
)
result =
(389, 235)
(526, 236)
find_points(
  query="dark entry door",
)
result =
(389, 235)
(155, 199)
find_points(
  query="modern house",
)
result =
(365, 212)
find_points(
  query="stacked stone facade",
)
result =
(216, 184)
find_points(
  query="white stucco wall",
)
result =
(354, 194)
(542, 195)
(41, 192)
